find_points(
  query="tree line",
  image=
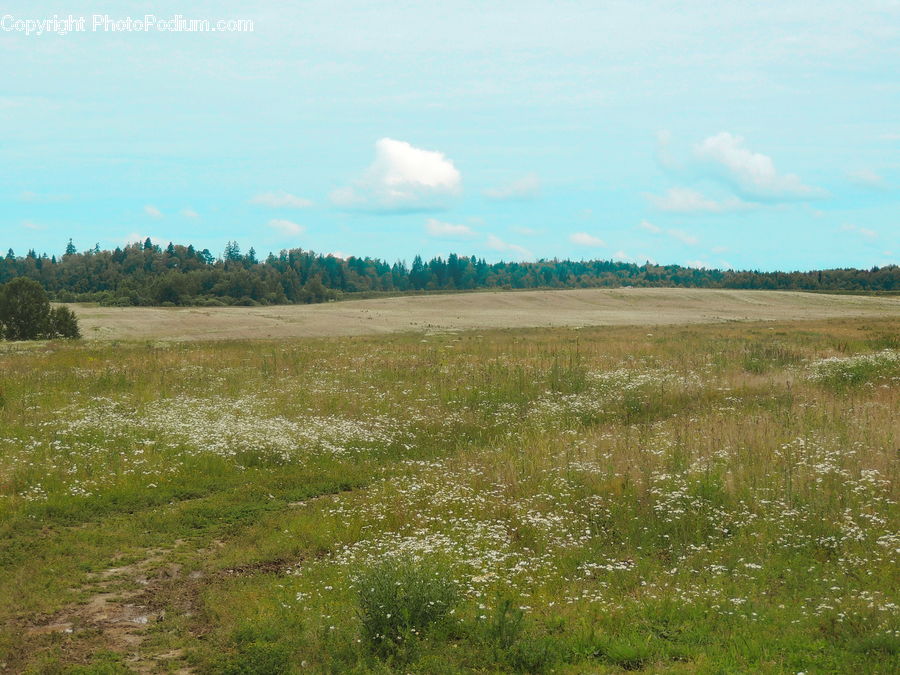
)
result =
(148, 274)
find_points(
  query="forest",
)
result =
(143, 274)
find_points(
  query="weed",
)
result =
(400, 599)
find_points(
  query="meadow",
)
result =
(706, 498)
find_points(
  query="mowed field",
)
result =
(674, 497)
(468, 311)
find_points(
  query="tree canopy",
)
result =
(147, 274)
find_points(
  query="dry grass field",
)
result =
(476, 311)
(686, 498)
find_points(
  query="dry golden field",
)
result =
(476, 311)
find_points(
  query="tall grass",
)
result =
(705, 499)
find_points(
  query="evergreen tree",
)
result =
(24, 310)
(63, 323)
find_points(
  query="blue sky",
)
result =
(759, 135)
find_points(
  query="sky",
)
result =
(746, 135)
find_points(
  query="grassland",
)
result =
(476, 311)
(711, 498)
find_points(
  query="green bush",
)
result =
(24, 310)
(63, 323)
(400, 599)
(25, 313)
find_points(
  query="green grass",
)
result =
(700, 500)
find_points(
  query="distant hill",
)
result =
(147, 274)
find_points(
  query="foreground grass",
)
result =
(704, 499)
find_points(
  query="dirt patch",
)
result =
(124, 602)
(472, 311)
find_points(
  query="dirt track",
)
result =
(588, 307)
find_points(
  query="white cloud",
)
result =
(862, 231)
(679, 235)
(699, 264)
(35, 197)
(497, 244)
(28, 225)
(437, 228)
(867, 178)
(719, 249)
(683, 237)
(621, 256)
(525, 231)
(685, 200)
(346, 197)
(752, 174)
(650, 227)
(286, 227)
(527, 186)
(663, 151)
(189, 213)
(152, 211)
(277, 200)
(402, 177)
(585, 239)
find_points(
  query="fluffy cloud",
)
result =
(402, 177)
(585, 239)
(683, 237)
(189, 213)
(751, 174)
(680, 235)
(437, 228)
(496, 244)
(685, 200)
(862, 231)
(286, 227)
(522, 188)
(867, 178)
(152, 211)
(277, 200)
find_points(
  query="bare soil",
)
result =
(478, 311)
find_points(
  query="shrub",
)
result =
(25, 313)
(63, 323)
(400, 599)
(24, 309)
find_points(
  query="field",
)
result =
(476, 311)
(698, 497)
